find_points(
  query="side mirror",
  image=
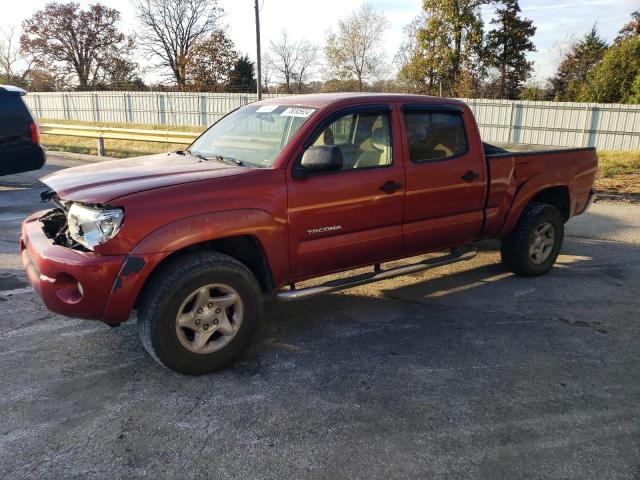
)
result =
(321, 158)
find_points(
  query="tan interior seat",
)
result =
(377, 152)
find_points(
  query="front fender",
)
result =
(189, 231)
(530, 189)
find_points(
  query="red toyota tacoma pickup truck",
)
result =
(285, 190)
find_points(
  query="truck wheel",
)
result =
(533, 246)
(197, 314)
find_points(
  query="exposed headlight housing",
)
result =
(91, 226)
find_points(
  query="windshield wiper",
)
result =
(226, 159)
(196, 154)
(220, 158)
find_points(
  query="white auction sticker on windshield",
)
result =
(298, 112)
(267, 108)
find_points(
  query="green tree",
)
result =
(422, 64)
(448, 51)
(571, 76)
(242, 77)
(635, 90)
(507, 47)
(532, 92)
(615, 79)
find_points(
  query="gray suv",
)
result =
(20, 149)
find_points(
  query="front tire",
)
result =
(533, 246)
(198, 312)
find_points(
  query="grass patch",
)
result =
(613, 164)
(619, 172)
(113, 148)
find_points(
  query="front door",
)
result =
(349, 217)
(446, 178)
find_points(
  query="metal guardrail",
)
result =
(109, 133)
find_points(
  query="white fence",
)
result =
(605, 126)
(151, 108)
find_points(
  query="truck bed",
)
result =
(497, 149)
(510, 166)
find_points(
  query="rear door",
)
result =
(446, 176)
(353, 216)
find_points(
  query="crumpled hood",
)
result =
(105, 181)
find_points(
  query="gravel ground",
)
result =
(463, 372)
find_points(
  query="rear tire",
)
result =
(197, 314)
(533, 246)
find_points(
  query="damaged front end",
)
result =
(55, 223)
(80, 226)
(71, 277)
(56, 229)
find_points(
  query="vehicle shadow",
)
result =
(591, 284)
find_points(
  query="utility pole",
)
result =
(259, 59)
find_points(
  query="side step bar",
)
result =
(375, 276)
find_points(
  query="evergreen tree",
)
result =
(571, 75)
(507, 47)
(242, 77)
(616, 79)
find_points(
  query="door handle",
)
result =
(470, 176)
(391, 186)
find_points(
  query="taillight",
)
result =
(35, 133)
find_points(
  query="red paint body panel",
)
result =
(55, 271)
(442, 209)
(172, 202)
(351, 200)
(102, 182)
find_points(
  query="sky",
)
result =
(557, 21)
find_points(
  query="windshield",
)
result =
(253, 135)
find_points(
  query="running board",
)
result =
(375, 276)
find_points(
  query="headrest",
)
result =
(379, 138)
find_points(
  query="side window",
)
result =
(434, 135)
(363, 138)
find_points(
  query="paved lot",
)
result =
(462, 373)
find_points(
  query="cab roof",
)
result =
(12, 89)
(320, 100)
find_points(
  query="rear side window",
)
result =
(11, 104)
(434, 136)
(15, 119)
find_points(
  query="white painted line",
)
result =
(15, 291)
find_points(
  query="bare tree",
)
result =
(356, 49)
(307, 59)
(14, 66)
(171, 29)
(293, 61)
(267, 71)
(81, 43)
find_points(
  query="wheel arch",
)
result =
(542, 189)
(558, 196)
(247, 249)
(253, 237)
